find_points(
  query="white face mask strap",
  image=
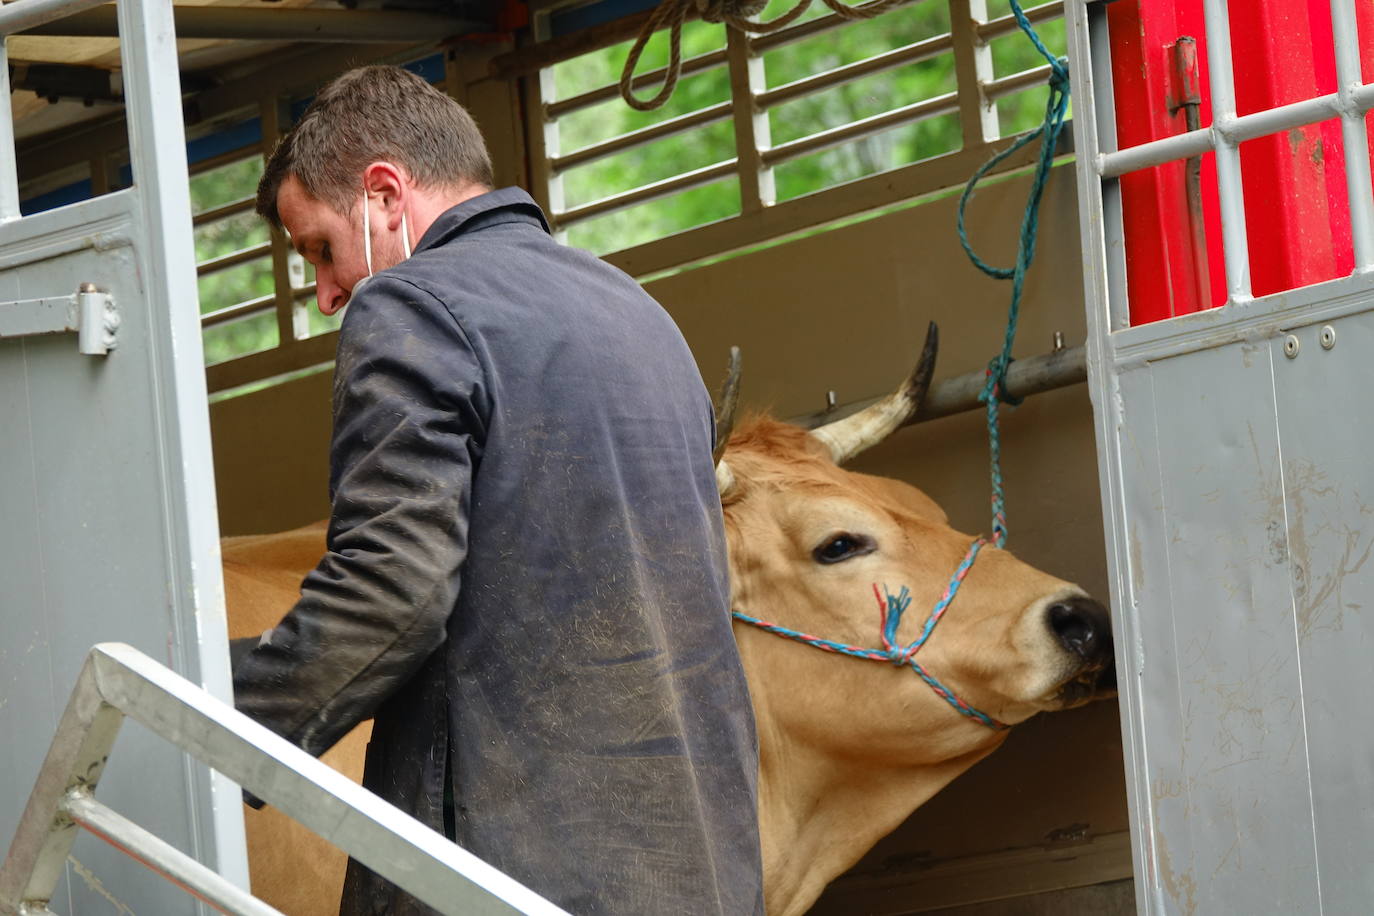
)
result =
(367, 235)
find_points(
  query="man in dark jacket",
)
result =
(526, 582)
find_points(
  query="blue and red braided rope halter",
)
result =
(890, 610)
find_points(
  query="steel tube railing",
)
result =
(119, 681)
(1004, 86)
(684, 182)
(669, 128)
(233, 208)
(1033, 375)
(1356, 140)
(1005, 25)
(160, 856)
(908, 54)
(28, 14)
(1230, 188)
(917, 111)
(702, 62)
(9, 179)
(793, 33)
(234, 259)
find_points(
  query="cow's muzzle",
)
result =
(1084, 628)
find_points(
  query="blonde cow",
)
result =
(836, 576)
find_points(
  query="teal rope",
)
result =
(995, 390)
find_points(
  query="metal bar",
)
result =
(292, 320)
(159, 856)
(234, 259)
(1094, 129)
(917, 111)
(1236, 130)
(1015, 82)
(21, 17)
(753, 133)
(684, 182)
(1357, 178)
(233, 208)
(237, 311)
(690, 66)
(80, 747)
(230, 23)
(166, 255)
(669, 128)
(1230, 189)
(9, 176)
(908, 54)
(804, 30)
(1005, 25)
(1034, 375)
(973, 68)
(377, 834)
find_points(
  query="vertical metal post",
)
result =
(9, 177)
(1099, 204)
(1230, 190)
(540, 90)
(1357, 178)
(752, 133)
(157, 148)
(293, 320)
(973, 68)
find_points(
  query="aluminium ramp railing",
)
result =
(119, 681)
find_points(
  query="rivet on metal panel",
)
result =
(1328, 337)
(1290, 346)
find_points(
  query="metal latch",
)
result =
(90, 312)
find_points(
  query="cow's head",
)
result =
(808, 543)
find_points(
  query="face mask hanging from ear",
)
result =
(367, 243)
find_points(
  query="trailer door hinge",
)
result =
(89, 312)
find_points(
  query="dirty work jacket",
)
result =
(526, 580)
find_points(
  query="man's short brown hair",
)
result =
(368, 115)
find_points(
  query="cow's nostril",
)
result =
(1082, 626)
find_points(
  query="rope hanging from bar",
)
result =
(995, 390)
(737, 13)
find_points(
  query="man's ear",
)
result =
(389, 183)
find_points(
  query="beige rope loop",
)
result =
(732, 12)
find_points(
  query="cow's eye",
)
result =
(843, 546)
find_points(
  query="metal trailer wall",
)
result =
(845, 310)
(1237, 487)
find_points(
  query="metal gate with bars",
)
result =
(1238, 497)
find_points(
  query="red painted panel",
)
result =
(1297, 215)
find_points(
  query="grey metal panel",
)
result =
(1227, 745)
(107, 493)
(1328, 481)
(86, 522)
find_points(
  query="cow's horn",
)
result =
(725, 479)
(729, 400)
(850, 436)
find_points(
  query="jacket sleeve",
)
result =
(410, 414)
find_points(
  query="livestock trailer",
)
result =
(796, 197)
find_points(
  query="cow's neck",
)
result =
(818, 815)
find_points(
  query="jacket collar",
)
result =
(505, 205)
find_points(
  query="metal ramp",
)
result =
(1238, 494)
(118, 681)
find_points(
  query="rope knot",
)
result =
(996, 386)
(1059, 75)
